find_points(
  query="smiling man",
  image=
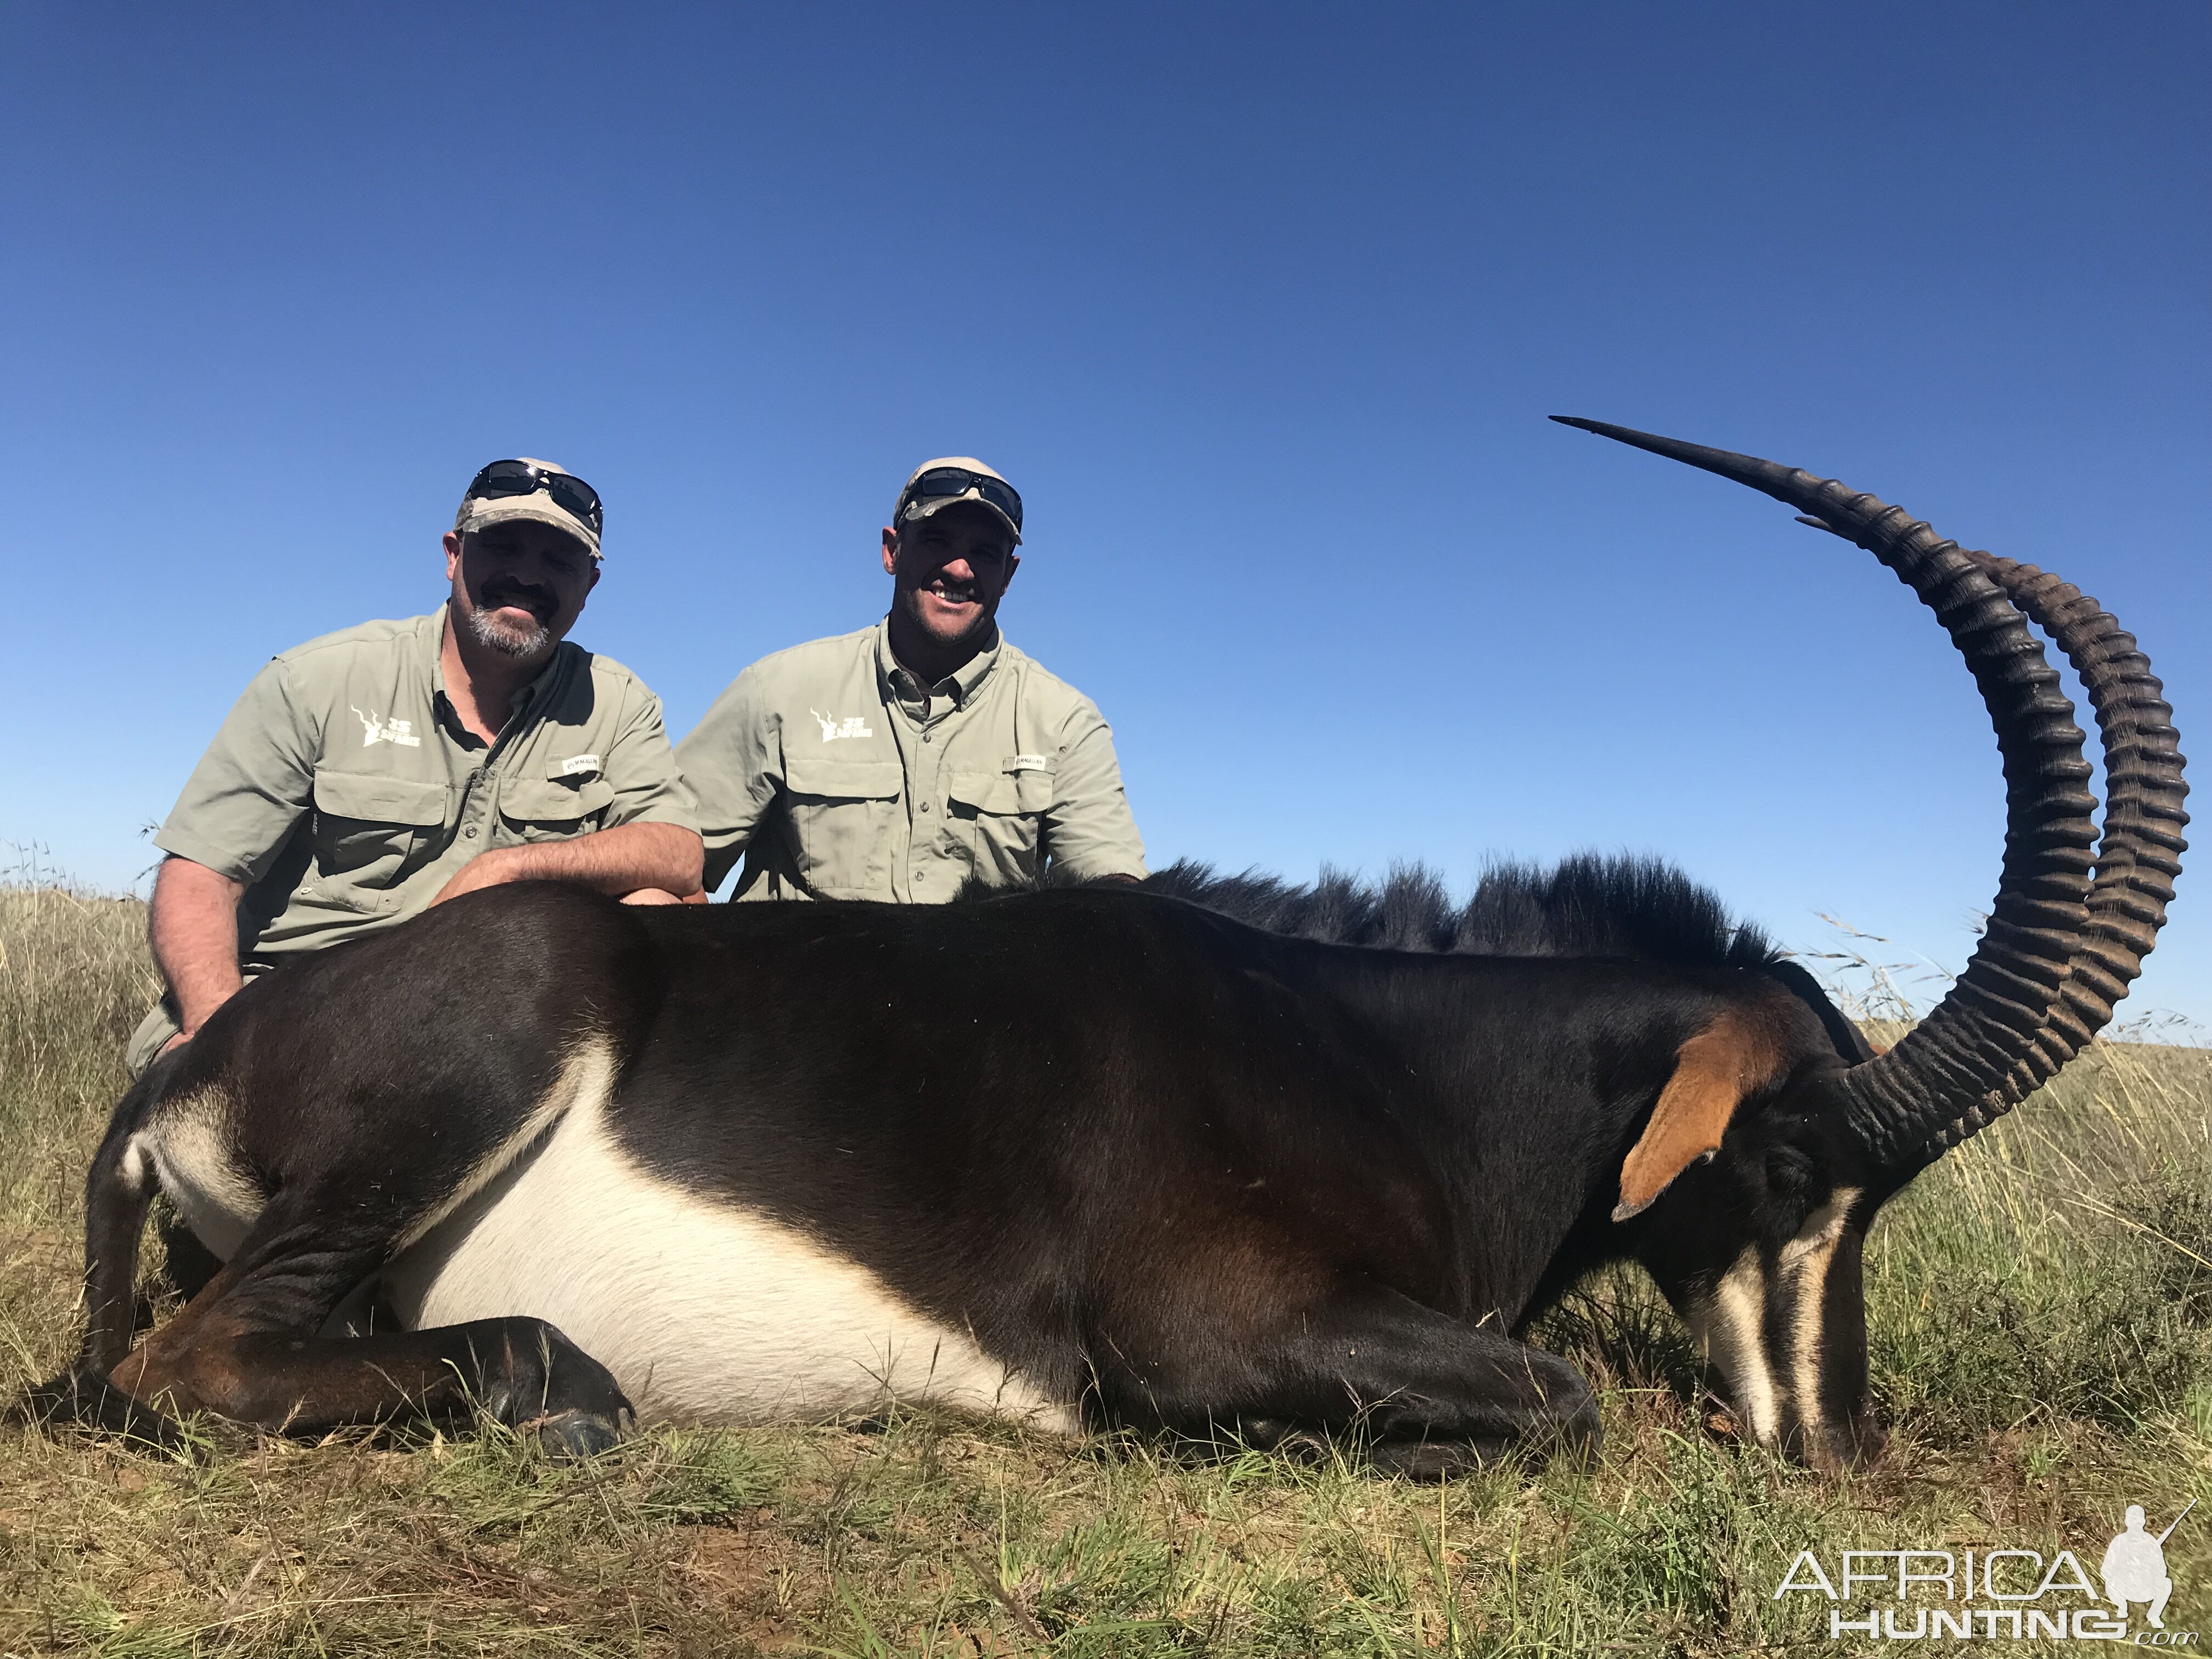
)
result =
(898, 763)
(370, 774)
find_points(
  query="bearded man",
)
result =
(372, 773)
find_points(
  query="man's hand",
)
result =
(193, 926)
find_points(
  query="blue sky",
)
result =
(1262, 308)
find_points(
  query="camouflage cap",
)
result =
(481, 512)
(907, 512)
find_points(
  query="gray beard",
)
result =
(524, 644)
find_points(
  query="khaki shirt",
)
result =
(344, 792)
(821, 767)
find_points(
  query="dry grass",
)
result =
(2042, 1305)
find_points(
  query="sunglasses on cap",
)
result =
(940, 482)
(569, 492)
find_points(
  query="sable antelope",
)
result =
(1113, 1154)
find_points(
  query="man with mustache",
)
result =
(900, 762)
(372, 773)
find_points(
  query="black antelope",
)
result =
(1200, 1156)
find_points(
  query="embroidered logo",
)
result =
(375, 730)
(852, 725)
(1028, 762)
(576, 765)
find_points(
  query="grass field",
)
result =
(2042, 1313)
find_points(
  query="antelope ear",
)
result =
(1733, 1056)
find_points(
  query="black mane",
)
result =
(1587, 906)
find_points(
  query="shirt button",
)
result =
(929, 736)
(471, 832)
(924, 806)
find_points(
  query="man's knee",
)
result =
(146, 1043)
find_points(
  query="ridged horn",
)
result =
(1970, 1061)
(2139, 857)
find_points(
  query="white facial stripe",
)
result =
(1822, 1229)
(705, 1310)
(1804, 1262)
(1728, 1329)
(1730, 1325)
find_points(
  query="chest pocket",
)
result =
(552, 809)
(1001, 814)
(843, 822)
(370, 833)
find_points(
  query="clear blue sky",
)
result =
(1262, 308)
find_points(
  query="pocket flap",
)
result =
(841, 780)
(549, 800)
(382, 800)
(986, 792)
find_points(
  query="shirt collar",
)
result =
(431, 633)
(956, 688)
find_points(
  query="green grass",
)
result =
(2041, 1305)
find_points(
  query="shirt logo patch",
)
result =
(852, 725)
(1028, 762)
(576, 764)
(375, 730)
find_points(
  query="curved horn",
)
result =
(1965, 1061)
(2140, 854)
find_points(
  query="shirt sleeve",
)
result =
(1089, 831)
(733, 761)
(251, 788)
(648, 785)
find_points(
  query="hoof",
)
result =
(92, 1402)
(574, 1436)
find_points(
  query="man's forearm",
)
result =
(193, 927)
(617, 860)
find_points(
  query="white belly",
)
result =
(705, 1312)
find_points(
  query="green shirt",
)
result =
(836, 775)
(343, 792)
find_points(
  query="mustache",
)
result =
(496, 594)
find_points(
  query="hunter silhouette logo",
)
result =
(852, 725)
(374, 729)
(2134, 1566)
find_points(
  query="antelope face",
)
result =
(1761, 1258)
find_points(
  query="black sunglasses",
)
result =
(941, 481)
(521, 478)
